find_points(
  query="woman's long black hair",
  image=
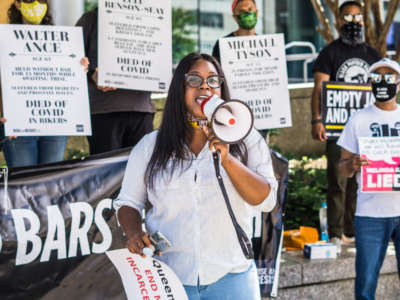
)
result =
(176, 132)
(15, 15)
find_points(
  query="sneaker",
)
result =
(348, 240)
(338, 242)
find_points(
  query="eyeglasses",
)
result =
(388, 77)
(196, 81)
(353, 18)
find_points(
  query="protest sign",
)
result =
(255, 69)
(339, 101)
(146, 277)
(44, 85)
(383, 172)
(135, 44)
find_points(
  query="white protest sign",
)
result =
(255, 69)
(135, 44)
(44, 85)
(383, 172)
(146, 278)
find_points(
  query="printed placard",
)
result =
(383, 173)
(339, 101)
(44, 85)
(135, 44)
(146, 278)
(255, 69)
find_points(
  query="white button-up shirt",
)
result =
(189, 209)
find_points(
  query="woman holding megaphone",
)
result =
(173, 168)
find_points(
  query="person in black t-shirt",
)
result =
(346, 59)
(245, 14)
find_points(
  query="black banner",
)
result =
(339, 101)
(267, 247)
(56, 222)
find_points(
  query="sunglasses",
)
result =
(196, 81)
(388, 77)
(353, 18)
(31, 1)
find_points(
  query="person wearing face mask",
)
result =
(33, 150)
(377, 217)
(245, 14)
(346, 59)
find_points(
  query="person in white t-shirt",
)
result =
(378, 214)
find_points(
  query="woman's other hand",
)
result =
(137, 242)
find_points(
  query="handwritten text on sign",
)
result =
(383, 173)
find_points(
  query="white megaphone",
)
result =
(230, 120)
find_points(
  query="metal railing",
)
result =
(306, 57)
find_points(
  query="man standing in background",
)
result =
(346, 59)
(120, 118)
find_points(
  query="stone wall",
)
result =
(331, 279)
(297, 139)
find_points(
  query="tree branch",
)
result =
(324, 29)
(370, 36)
(391, 11)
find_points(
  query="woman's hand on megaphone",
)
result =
(215, 144)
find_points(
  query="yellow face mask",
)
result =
(33, 12)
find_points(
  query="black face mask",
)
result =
(352, 34)
(384, 91)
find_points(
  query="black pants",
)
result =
(341, 196)
(118, 130)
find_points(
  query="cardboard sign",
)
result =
(135, 44)
(383, 173)
(146, 278)
(339, 101)
(44, 85)
(255, 70)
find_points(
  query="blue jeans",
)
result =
(237, 286)
(34, 150)
(372, 238)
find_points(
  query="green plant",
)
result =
(75, 153)
(182, 43)
(306, 192)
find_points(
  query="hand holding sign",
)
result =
(95, 78)
(382, 174)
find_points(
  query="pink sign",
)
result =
(383, 172)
